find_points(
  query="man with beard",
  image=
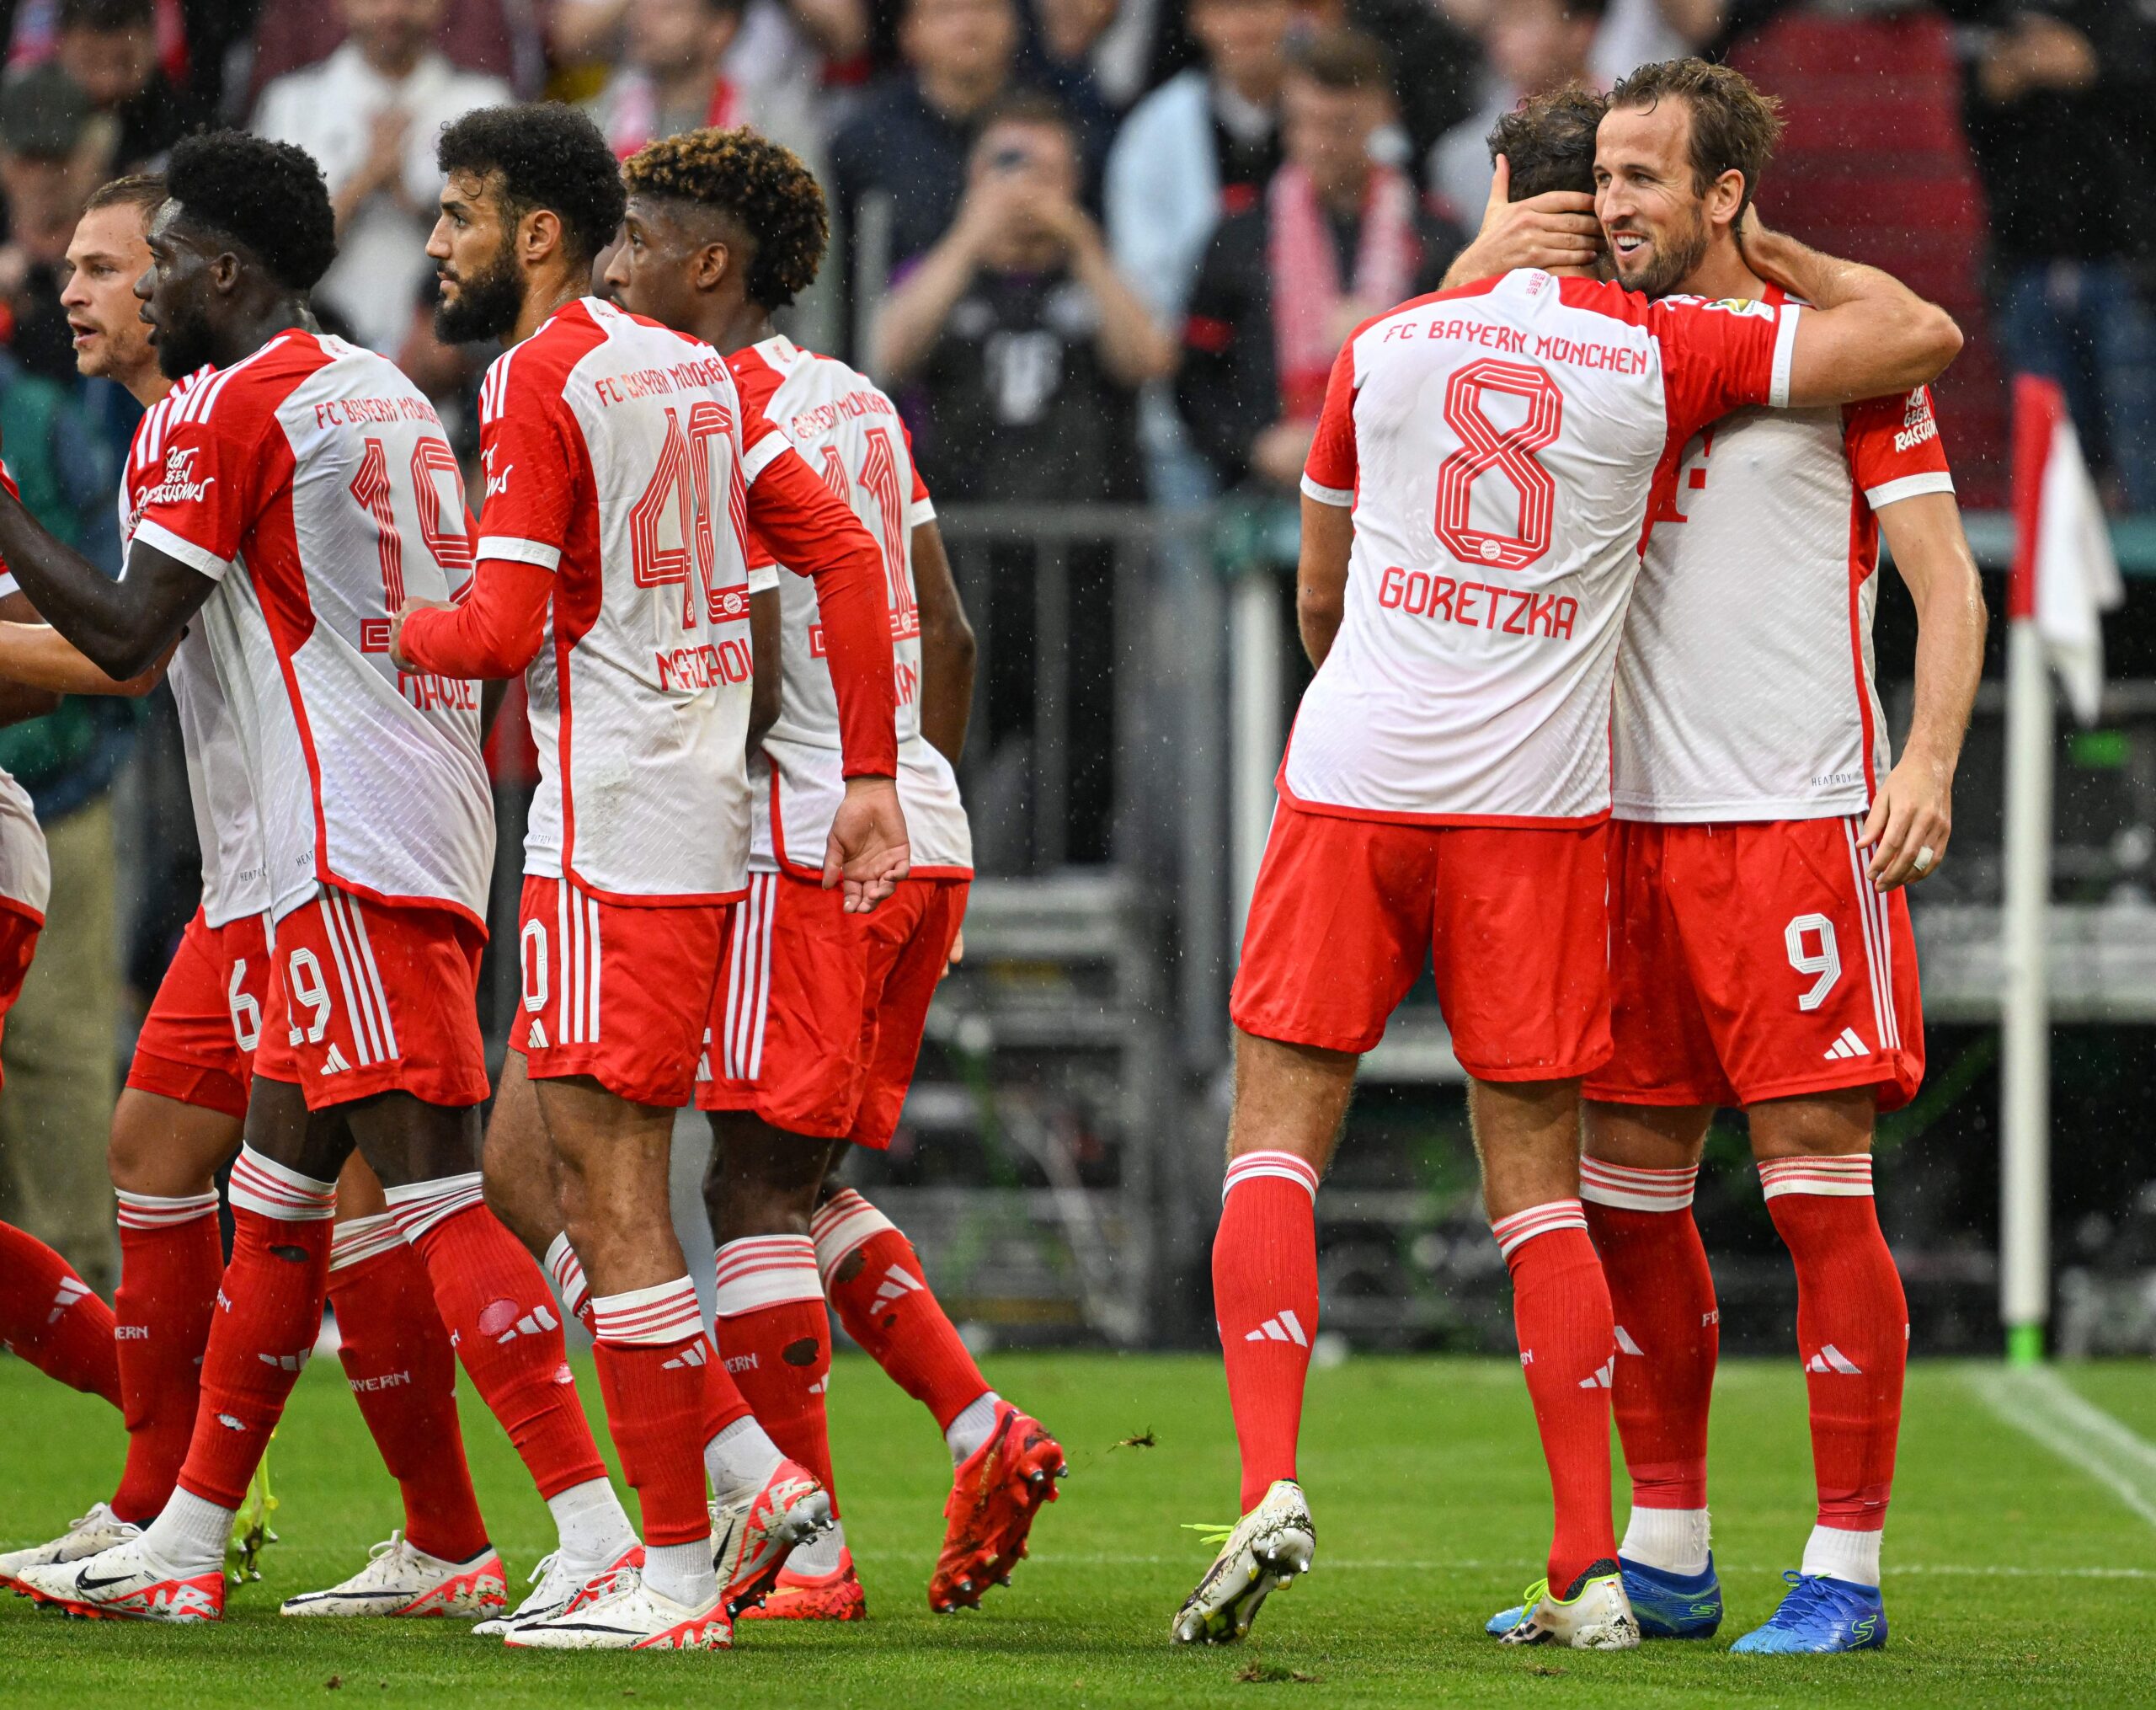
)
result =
(306, 487)
(1487, 459)
(1761, 953)
(624, 471)
(180, 1119)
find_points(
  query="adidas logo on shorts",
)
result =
(1850, 1045)
(334, 1062)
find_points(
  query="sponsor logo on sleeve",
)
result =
(178, 485)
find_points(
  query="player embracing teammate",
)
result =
(1488, 463)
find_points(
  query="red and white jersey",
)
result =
(235, 881)
(1503, 446)
(321, 475)
(851, 435)
(619, 455)
(25, 868)
(1744, 684)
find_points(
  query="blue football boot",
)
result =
(1667, 1605)
(1818, 1614)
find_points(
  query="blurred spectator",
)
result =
(1534, 47)
(1016, 332)
(370, 113)
(2057, 117)
(671, 79)
(109, 48)
(53, 150)
(802, 43)
(1635, 33)
(1435, 65)
(1339, 238)
(497, 38)
(1061, 40)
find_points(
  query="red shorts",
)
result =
(620, 994)
(19, 926)
(1347, 913)
(818, 1025)
(372, 999)
(197, 1043)
(1756, 961)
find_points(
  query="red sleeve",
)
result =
(494, 631)
(920, 487)
(814, 534)
(1329, 474)
(530, 450)
(1894, 448)
(1720, 356)
(221, 460)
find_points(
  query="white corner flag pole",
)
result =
(2024, 1001)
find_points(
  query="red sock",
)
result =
(876, 1285)
(52, 1318)
(500, 1317)
(403, 1373)
(1264, 1303)
(268, 1314)
(1568, 1346)
(774, 1336)
(171, 1260)
(1852, 1330)
(1668, 1331)
(654, 1368)
(574, 1292)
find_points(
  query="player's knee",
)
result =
(1820, 1125)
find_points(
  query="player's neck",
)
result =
(249, 333)
(1722, 273)
(543, 294)
(148, 384)
(730, 327)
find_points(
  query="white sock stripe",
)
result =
(665, 1312)
(423, 1204)
(143, 1211)
(362, 1238)
(567, 1270)
(268, 1189)
(766, 1270)
(1843, 1178)
(1283, 1165)
(843, 1225)
(1629, 1188)
(1522, 1226)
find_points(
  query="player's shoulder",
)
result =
(539, 366)
(257, 384)
(148, 444)
(761, 370)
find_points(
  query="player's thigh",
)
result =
(1339, 928)
(1289, 1098)
(359, 1190)
(1520, 946)
(1526, 1140)
(907, 957)
(761, 1180)
(1838, 1123)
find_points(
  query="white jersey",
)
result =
(25, 868)
(1501, 445)
(619, 455)
(235, 882)
(852, 435)
(1744, 684)
(313, 481)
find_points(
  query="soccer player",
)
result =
(1760, 944)
(306, 487)
(814, 1031)
(179, 1118)
(624, 471)
(1487, 459)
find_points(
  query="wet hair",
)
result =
(1734, 126)
(267, 196)
(545, 155)
(1549, 141)
(139, 190)
(759, 185)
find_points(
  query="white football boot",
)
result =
(398, 1580)
(1597, 1615)
(127, 1583)
(100, 1528)
(1268, 1549)
(751, 1539)
(557, 1587)
(629, 1615)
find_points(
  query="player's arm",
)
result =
(814, 534)
(1555, 229)
(19, 700)
(495, 632)
(1321, 574)
(1914, 808)
(35, 656)
(947, 646)
(766, 623)
(1865, 334)
(122, 628)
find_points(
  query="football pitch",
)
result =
(2021, 1561)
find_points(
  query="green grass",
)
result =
(1431, 1507)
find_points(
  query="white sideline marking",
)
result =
(2043, 1406)
(1938, 1569)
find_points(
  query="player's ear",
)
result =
(711, 263)
(538, 236)
(1725, 199)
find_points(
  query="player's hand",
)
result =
(868, 851)
(397, 628)
(1555, 229)
(1910, 820)
(957, 955)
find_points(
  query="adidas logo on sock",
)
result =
(1282, 1326)
(897, 1284)
(1850, 1045)
(334, 1063)
(531, 1324)
(71, 1290)
(1603, 1375)
(693, 1354)
(286, 1362)
(1832, 1359)
(1625, 1344)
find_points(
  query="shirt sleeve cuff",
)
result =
(762, 578)
(1902, 486)
(1344, 497)
(758, 457)
(521, 552)
(1785, 356)
(173, 546)
(9, 585)
(923, 510)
